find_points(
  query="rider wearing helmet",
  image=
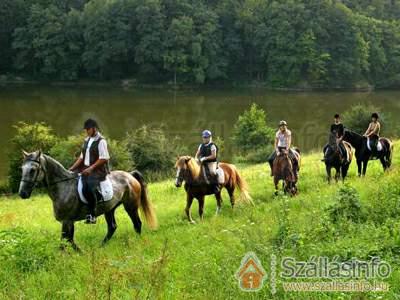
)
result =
(93, 165)
(207, 154)
(337, 129)
(283, 141)
(372, 133)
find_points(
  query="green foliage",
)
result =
(347, 206)
(358, 117)
(318, 43)
(28, 137)
(252, 137)
(26, 252)
(153, 153)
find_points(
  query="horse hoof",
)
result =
(192, 222)
(276, 193)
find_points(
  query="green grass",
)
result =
(184, 261)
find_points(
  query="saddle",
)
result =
(209, 178)
(104, 191)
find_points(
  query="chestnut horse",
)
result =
(190, 172)
(283, 170)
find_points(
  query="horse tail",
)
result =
(243, 187)
(390, 154)
(145, 204)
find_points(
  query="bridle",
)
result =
(34, 182)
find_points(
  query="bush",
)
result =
(347, 206)
(29, 137)
(66, 151)
(252, 137)
(359, 116)
(152, 152)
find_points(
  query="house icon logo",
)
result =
(251, 274)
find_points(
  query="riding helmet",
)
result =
(336, 116)
(90, 123)
(281, 123)
(206, 134)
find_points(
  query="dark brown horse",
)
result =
(333, 158)
(283, 169)
(190, 172)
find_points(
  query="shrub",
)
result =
(152, 151)
(347, 206)
(29, 137)
(252, 137)
(359, 116)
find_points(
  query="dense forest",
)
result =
(290, 43)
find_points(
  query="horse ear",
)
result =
(25, 154)
(39, 153)
(187, 158)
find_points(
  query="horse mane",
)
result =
(57, 165)
(194, 168)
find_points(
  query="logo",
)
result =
(251, 274)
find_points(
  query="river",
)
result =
(184, 112)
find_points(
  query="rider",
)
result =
(372, 133)
(337, 129)
(93, 164)
(207, 155)
(283, 140)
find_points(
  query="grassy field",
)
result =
(184, 261)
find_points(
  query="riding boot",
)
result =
(91, 197)
(215, 186)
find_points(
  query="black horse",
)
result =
(333, 158)
(363, 154)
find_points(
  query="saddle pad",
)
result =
(379, 147)
(106, 190)
(221, 176)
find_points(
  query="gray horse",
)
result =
(129, 189)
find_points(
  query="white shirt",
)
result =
(103, 150)
(283, 138)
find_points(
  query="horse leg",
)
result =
(384, 164)
(111, 225)
(365, 165)
(276, 181)
(231, 192)
(359, 167)
(337, 174)
(133, 213)
(328, 172)
(189, 201)
(67, 233)
(345, 169)
(219, 203)
(201, 207)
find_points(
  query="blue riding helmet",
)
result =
(206, 133)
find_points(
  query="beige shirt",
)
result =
(284, 138)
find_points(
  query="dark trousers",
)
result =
(90, 184)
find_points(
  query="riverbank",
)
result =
(134, 83)
(182, 261)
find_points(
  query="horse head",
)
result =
(187, 169)
(32, 173)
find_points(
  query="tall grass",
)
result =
(184, 261)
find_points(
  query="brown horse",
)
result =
(190, 172)
(282, 169)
